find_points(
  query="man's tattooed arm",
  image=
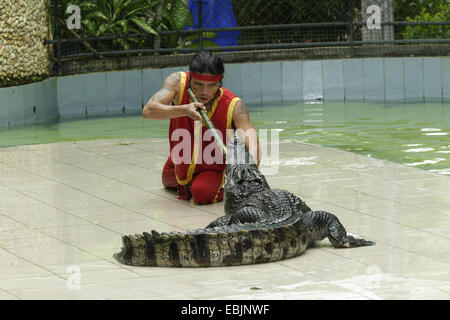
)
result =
(172, 81)
(160, 94)
(241, 108)
(168, 90)
(161, 105)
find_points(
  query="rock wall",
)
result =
(24, 25)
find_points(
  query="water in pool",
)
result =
(416, 135)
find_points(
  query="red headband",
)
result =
(204, 77)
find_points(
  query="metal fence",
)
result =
(100, 28)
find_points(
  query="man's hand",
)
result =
(191, 110)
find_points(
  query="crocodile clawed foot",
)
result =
(354, 242)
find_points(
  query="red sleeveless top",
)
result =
(194, 152)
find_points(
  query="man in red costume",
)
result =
(197, 179)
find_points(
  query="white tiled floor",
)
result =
(66, 205)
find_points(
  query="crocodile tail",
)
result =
(216, 247)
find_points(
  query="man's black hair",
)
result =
(207, 62)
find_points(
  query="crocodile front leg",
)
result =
(241, 216)
(220, 222)
(323, 224)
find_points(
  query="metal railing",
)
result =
(357, 30)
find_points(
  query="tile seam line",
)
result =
(393, 246)
(69, 186)
(187, 205)
(102, 175)
(63, 210)
(384, 219)
(362, 174)
(397, 274)
(371, 175)
(409, 278)
(329, 250)
(56, 238)
(378, 198)
(64, 242)
(143, 189)
(369, 194)
(323, 249)
(35, 264)
(331, 282)
(71, 214)
(10, 293)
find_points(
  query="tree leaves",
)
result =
(440, 12)
(181, 15)
(147, 27)
(119, 17)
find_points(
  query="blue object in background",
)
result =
(216, 14)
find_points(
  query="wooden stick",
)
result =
(209, 124)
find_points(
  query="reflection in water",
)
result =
(410, 134)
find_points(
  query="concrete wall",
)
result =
(28, 104)
(23, 29)
(125, 92)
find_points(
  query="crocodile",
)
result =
(260, 225)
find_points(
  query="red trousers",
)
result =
(203, 188)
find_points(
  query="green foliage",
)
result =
(411, 8)
(113, 17)
(37, 78)
(109, 17)
(118, 17)
(176, 16)
(428, 11)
